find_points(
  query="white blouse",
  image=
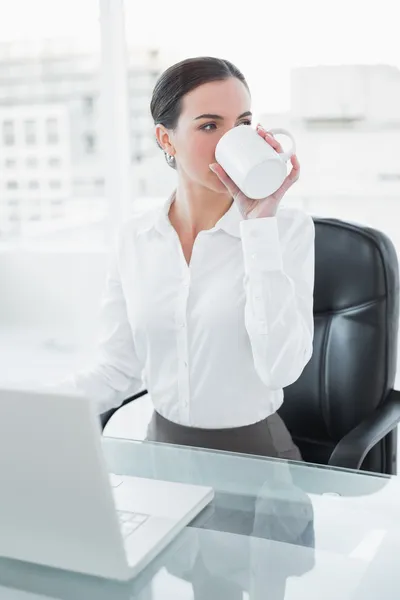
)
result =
(214, 342)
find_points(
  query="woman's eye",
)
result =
(208, 127)
(212, 126)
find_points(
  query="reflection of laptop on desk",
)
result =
(57, 506)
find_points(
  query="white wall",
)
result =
(49, 304)
(59, 290)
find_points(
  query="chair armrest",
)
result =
(106, 416)
(354, 447)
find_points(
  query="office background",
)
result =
(77, 152)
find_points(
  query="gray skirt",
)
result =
(269, 437)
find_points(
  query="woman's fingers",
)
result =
(291, 178)
(269, 138)
(226, 180)
(296, 165)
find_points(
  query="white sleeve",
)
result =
(279, 282)
(116, 372)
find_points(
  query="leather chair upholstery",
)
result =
(351, 375)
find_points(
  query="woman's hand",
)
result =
(266, 207)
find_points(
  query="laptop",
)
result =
(60, 507)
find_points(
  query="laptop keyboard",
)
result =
(129, 521)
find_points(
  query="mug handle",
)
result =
(285, 155)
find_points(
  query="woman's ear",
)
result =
(164, 140)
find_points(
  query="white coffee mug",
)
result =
(256, 168)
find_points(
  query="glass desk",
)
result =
(274, 530)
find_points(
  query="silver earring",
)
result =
(170, 159)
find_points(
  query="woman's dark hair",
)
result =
(180, 79)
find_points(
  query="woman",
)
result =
(209, 299)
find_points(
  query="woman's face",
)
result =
(207, 113)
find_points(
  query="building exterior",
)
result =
(50, 141)
(35, 165)
(346, 121)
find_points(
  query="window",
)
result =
(52, 139)
(154, 53)
(49, 60)
(88, 105)
(49, 123)
(52, 135)
(8, 133)
(89, 142)
(389, 176)
(331, 124)
(142, 187)
(31, 162)
(30, 132)
(55, 184)
(137, 140)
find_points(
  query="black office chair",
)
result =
(343, 410)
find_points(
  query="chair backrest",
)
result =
(356, 311)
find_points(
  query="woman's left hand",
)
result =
(266, 207)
